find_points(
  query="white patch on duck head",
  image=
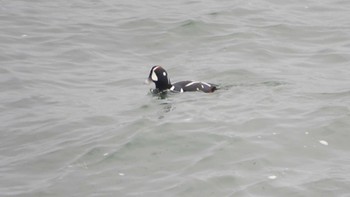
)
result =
(154, 76)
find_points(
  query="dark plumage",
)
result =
(161, 79)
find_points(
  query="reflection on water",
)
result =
(160, 94)
(166, 108)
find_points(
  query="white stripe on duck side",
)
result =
(195, 82)
(207, 84)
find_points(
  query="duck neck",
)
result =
(162, 87)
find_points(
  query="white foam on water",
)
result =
(272, 177)
(323, 142)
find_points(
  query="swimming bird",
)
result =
(160, 77)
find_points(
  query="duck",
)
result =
(159, 76)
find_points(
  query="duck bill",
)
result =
(148, 81)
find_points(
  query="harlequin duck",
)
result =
(161, 79)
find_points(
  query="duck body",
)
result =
(160, 77)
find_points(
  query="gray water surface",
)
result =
(77, 120)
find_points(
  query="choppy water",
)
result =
(76, 119)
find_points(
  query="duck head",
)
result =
(160, 78)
